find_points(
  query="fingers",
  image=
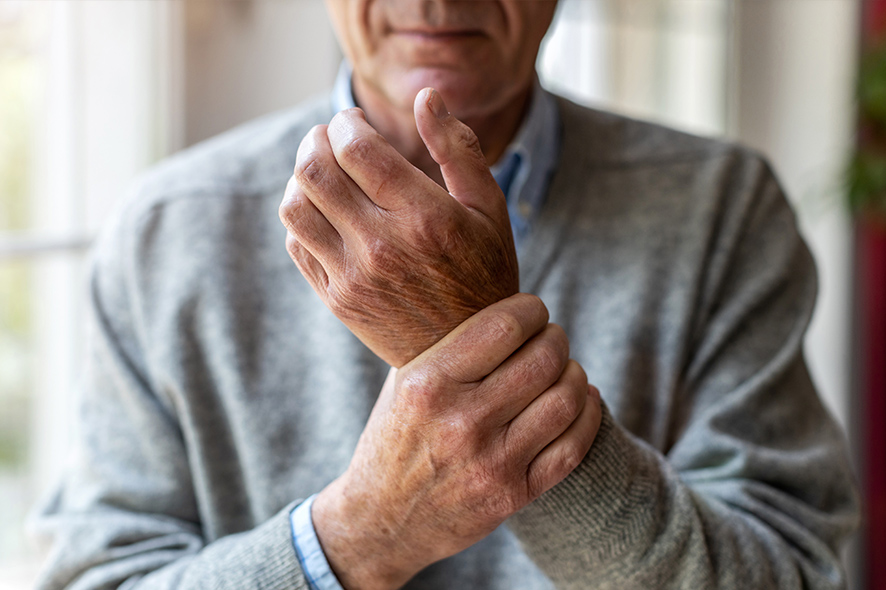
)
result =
(384, 175)
(567, 451)
(481, 343)
(309, 227)
(549, 414)
(328, 187)
(391, 182)
(455, 147)
(534, 368)
(309, 266)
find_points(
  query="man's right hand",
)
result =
(396, 257)
(462, 437)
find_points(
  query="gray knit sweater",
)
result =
(220, 392)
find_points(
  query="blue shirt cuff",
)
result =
(307, 547)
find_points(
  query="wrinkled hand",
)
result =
(398, 259)
(462, 437)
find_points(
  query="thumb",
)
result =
(455, 147)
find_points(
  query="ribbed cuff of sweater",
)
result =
(262, 558)
(602, 510)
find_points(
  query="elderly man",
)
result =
(401, 413)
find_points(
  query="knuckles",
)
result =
(356, 151)
(503, 327)
(314, 159)
(467, 141)
(380, 257)
(293, 208)
(310, 171)
(572, 453)
(421, 389)
(550, 353)
(568, 397)
(351, 145)
(433, 230)
(565, 405)
(294, 248)
(494, 494)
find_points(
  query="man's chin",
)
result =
(466, 96)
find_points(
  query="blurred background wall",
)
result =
(92, 92)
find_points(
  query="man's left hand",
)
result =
(396, 257)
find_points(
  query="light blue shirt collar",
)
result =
(524, 171)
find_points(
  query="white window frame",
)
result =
(112, 106)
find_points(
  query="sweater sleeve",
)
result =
(126, 513)
(755, 490)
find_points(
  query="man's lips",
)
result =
(439, 34)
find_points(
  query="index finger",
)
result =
(485, 340)
(380, 171)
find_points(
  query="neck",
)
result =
(495, 129)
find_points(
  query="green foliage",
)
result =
(866, 172)
(866, 190)
(872, 86)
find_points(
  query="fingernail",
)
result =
(438, 107)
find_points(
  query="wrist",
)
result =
(358, 545)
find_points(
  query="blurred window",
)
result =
(86, 101)
(24, 31)
(663, 60)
